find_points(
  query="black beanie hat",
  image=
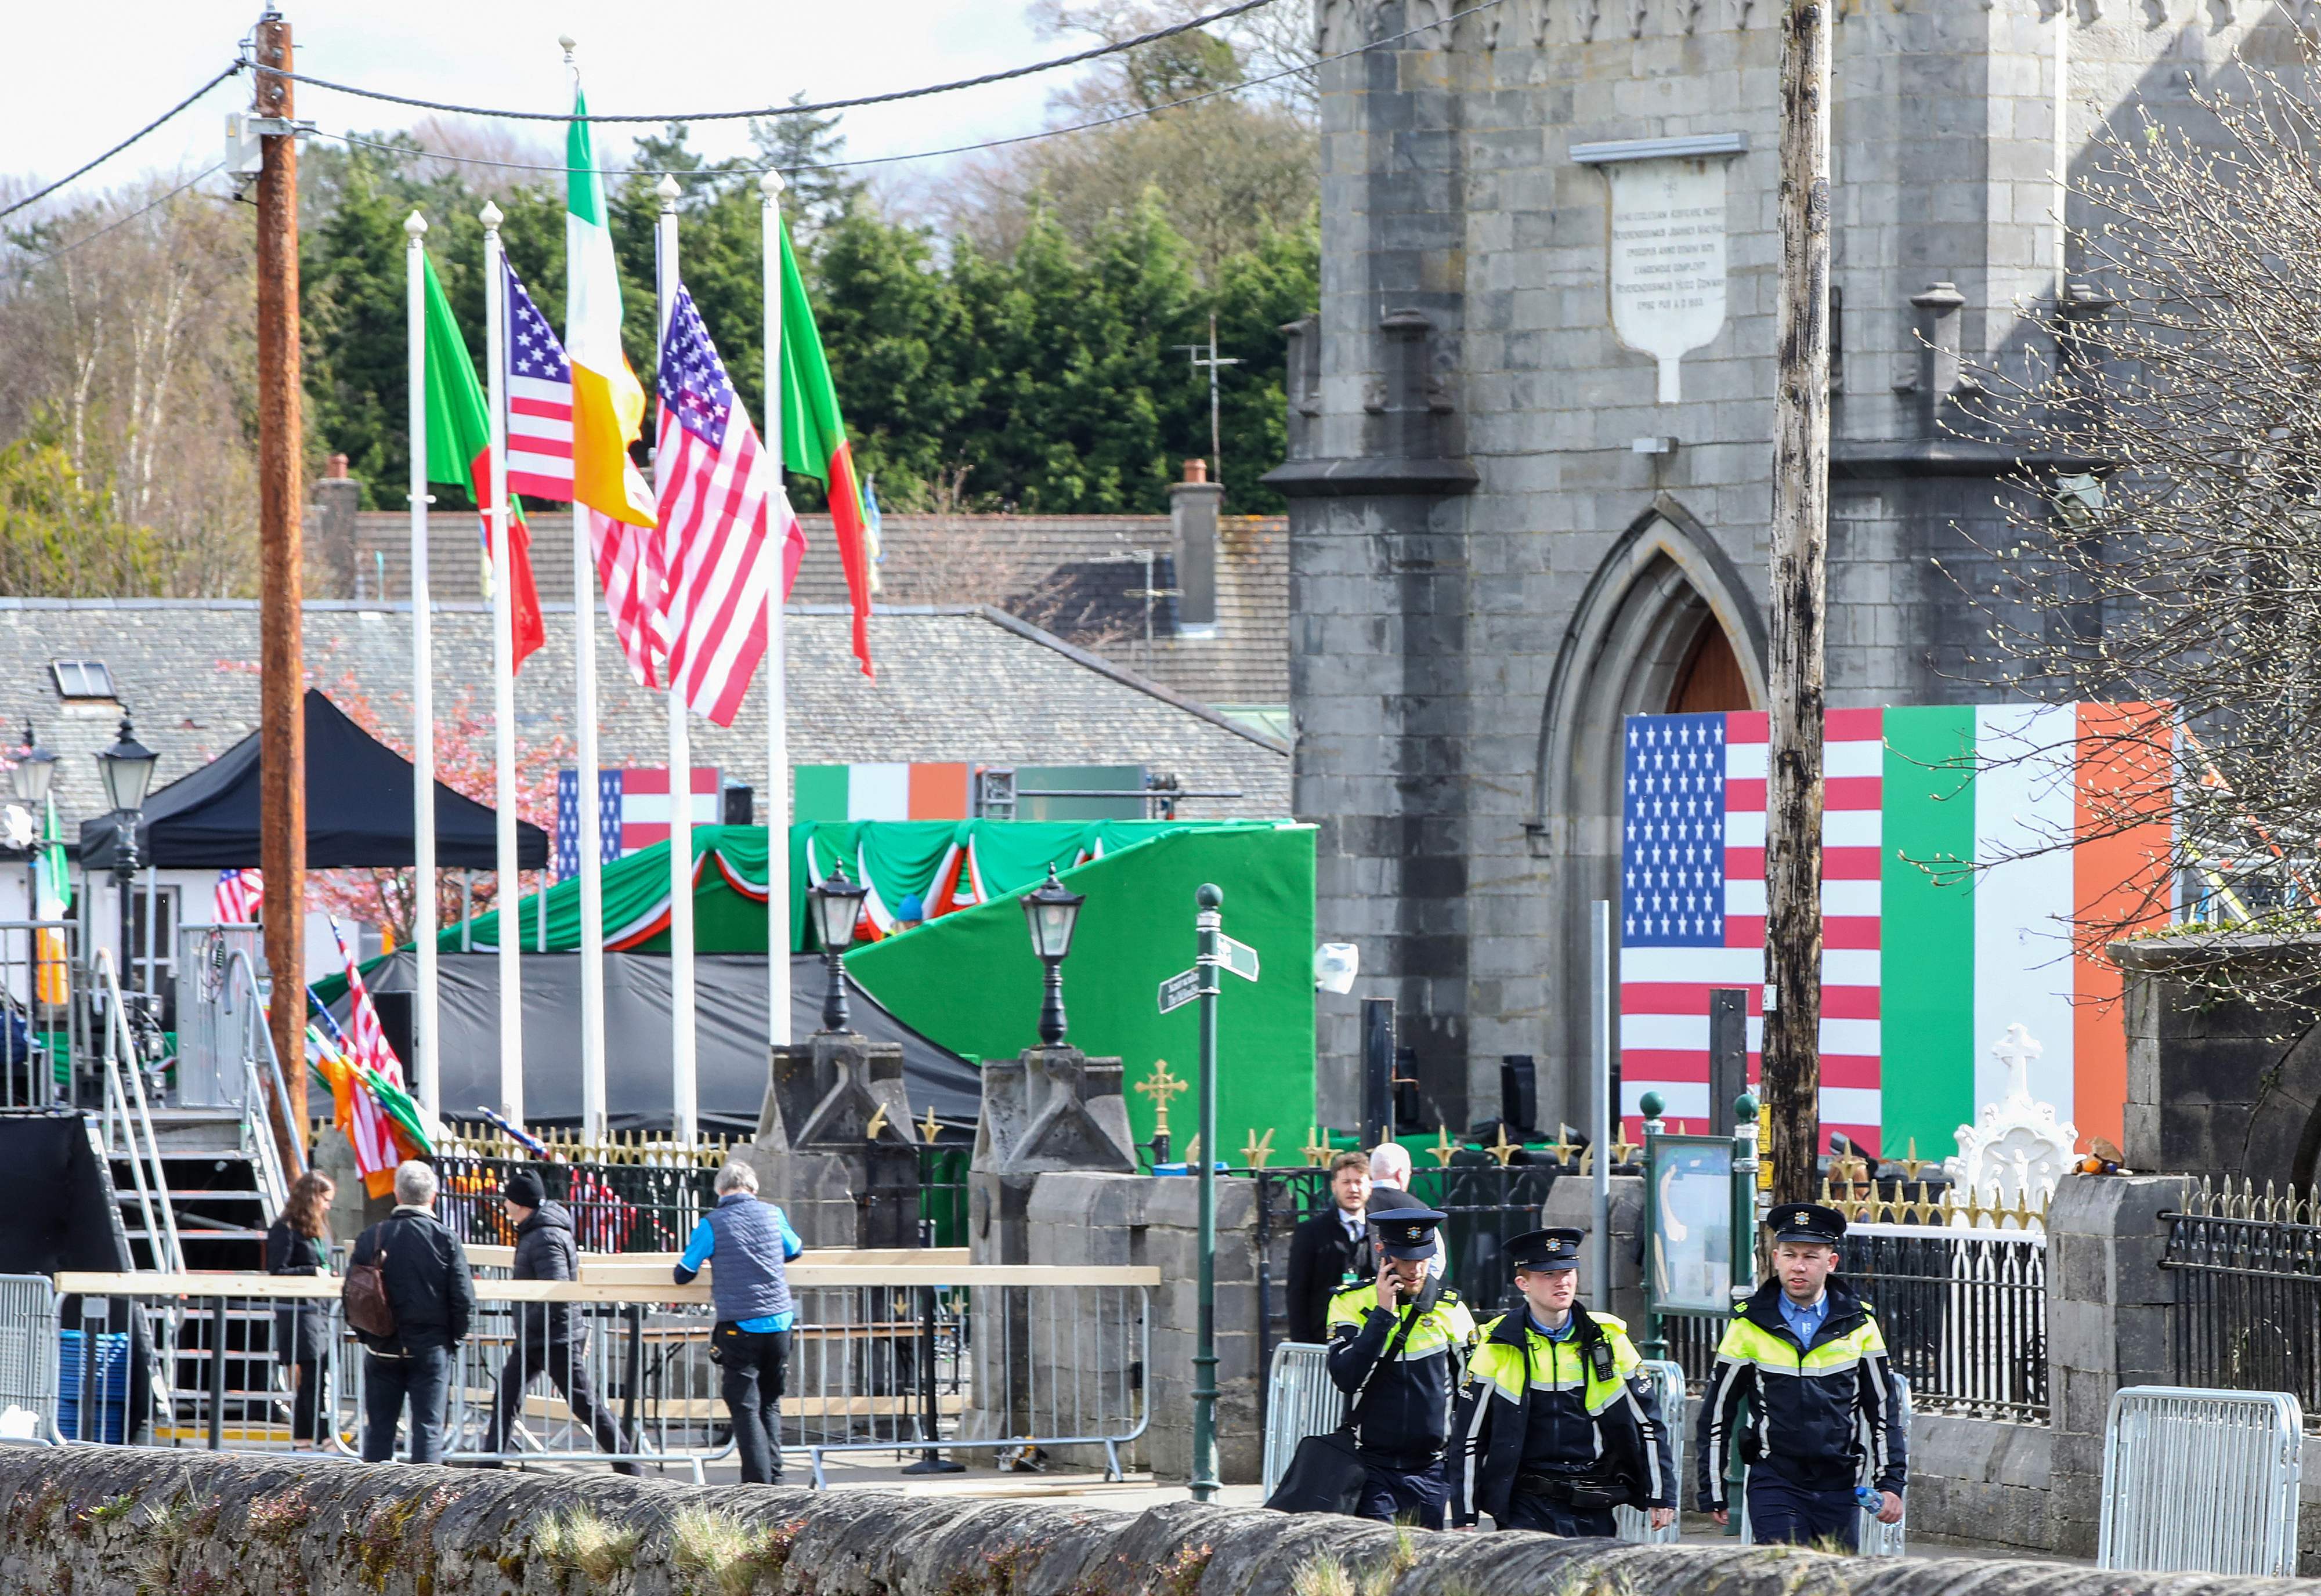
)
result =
(524, 1190)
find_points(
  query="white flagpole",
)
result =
(509, 883)
(684, 1105)
(777, 729)
(593, 1118)
(427, 1068)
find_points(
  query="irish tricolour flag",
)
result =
(1974, 859)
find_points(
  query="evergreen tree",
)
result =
(806, 150)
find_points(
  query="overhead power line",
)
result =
(1095, 53)
(123, 222)
(880, 160)
(125, 143)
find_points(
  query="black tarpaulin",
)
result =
(358, 810)
(730, 1066)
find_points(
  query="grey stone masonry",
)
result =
(106, 1521)
(2218, 1084)
(1570, 1203)
(835, 1145)
(1153, 1220)
(2108, 1326)
(1488, 573)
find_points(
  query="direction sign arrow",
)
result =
(1179, 989)
(1239, 957)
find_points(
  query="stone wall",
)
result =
(2218, 1085)
(105, 1521)
(1147, 1219)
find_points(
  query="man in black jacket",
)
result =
(550, 1338)
(1331, 1251)
(1806, 1355)
(425, 1272)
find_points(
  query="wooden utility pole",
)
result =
(1793, 800)
(282, 679)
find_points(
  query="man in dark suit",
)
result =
(1331, 1249)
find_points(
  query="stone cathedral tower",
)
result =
(1531, 426)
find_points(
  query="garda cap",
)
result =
(1806, 1221)
(1544, 1251)
(1408, 1232)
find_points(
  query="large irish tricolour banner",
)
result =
(1975, 859)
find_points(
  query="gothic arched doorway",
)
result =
(1665, 625)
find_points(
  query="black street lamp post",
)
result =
(35, 769)
(127, 767)
(837, 904)
(1051, 912)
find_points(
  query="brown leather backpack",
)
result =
(363, 1298)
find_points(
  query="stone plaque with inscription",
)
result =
(1667, 264)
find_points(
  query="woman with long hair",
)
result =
(299, 1242)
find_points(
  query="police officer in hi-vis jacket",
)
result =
(1806, 1354)
(1557, 1426)
(1414, 1332)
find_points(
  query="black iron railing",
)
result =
(616, 1208)
(1486, 1203)
(1963, 1313)
(650, 1206)
(2248, 1293)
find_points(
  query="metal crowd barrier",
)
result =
(885, 1357)
(2202, 1482)
(28, 1350)
(1666, 1381)
(1302, 1401)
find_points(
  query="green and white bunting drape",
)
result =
(950, 864)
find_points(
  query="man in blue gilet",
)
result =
(750, 1241)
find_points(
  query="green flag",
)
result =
(459, 453)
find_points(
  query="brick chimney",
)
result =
(333, 568)
(1193, 506)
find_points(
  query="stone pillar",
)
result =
(835, 1144)
(1049, 1108)
(1568, 1204)
(2109, 1324)
(1047, 1111)
(1102, 1221)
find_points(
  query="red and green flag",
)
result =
(813, 442)
(459, 454)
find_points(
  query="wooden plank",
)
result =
(803, 1276)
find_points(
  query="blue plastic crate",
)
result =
(112, 1385)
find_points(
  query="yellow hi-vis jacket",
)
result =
(1818, 1411)
(1405, 1415)
(1579, 1409)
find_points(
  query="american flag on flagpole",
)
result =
(539, 400)
(539, 463)
(1692, 909)
(238, 899)
(366, 1040)
(716, 496)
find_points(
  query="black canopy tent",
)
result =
(730, 1036)
(358, 810)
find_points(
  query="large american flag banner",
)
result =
(718, 497)
(1692, 909)
(539, 400)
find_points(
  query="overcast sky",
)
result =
(85, 78)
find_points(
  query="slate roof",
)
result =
(1071, 575)
(954, 685)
